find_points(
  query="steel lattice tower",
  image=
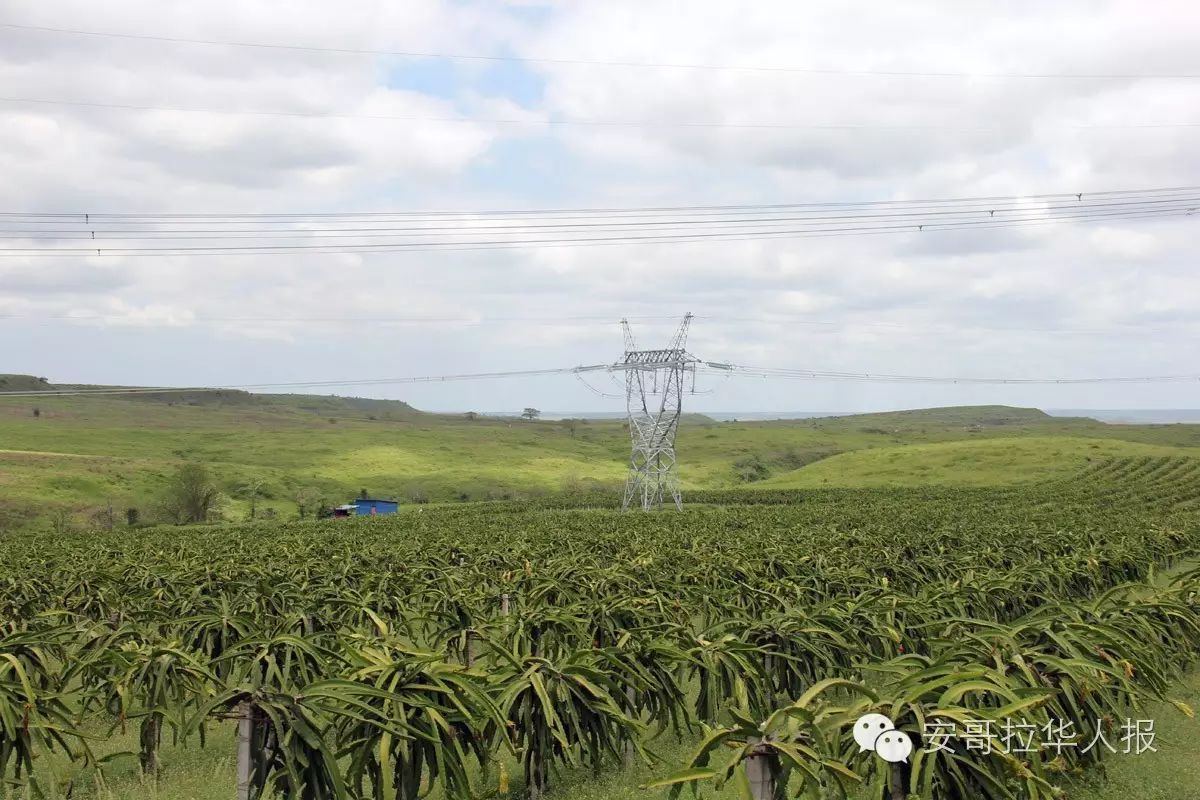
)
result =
(654, 386)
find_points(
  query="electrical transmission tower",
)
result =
(654, 386)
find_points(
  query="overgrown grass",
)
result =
(81, 454)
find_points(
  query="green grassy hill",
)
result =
(971, 462)
(23, 383)
(983, 416)
(223, 398)
(68, 458)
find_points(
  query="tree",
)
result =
(251, 490)
(751, 468)
(308, 499)
(191, 495)
(530, 414)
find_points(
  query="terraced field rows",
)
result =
(1164, 481)
(389, 657)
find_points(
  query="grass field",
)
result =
(974, 462)
(75, 456)
(79, 455)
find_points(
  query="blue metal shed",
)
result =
(365, 506)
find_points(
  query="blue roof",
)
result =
(367, 505)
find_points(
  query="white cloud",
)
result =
(1125, 243)
(967, 301)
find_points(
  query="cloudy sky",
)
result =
(528, 127)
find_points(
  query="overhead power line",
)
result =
(712, 367)
(989, 201)
(273, 387)
(98, 229)
(671, 237)
(829, 71)
(558, 122)
(58, 234)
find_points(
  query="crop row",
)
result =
(381, 657)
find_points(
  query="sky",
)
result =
(1061, 301)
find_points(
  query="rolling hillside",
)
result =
(970, 462)
(63, 460)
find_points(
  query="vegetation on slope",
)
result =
(65, 461)
(972, 462)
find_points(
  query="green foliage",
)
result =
(564, 710)
(191, 495)
(801, 740)
(125, 450)
(395, 656)
(35, 717)
(160, 682)
(751, 468)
